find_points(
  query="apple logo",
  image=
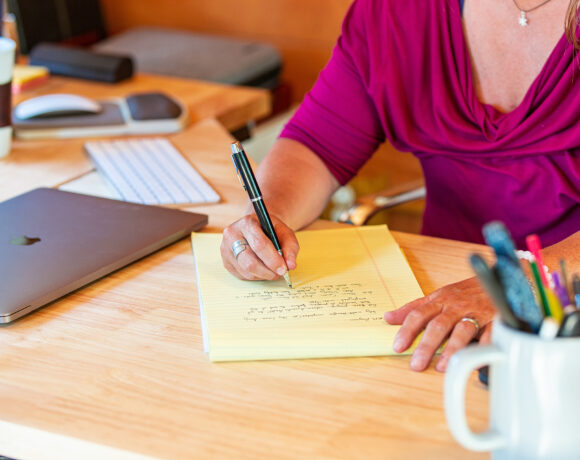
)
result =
(24, 241)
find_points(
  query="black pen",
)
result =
(248, 181)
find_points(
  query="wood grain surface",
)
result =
(49, 163)
(232, 106)
(117, 369)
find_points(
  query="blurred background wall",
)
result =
(304, 31)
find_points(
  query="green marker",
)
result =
(540, 286)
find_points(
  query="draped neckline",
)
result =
(487, 112)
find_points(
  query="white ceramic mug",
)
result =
(534, 387)
(7, 48)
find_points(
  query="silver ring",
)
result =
(239, 246)
(472, 320)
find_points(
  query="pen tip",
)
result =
(287, 279)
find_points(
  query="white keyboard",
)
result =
(149, 171)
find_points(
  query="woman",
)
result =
(485, 94)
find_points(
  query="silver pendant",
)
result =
(523, 21)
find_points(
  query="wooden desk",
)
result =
(51, 163)
(232, 106)
(117, 369)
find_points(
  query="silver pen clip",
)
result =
(238, 172)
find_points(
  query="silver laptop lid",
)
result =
(53, 242)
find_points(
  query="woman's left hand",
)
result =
(439, 314)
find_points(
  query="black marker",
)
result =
(570, 325)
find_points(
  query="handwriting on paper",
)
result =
(350, 302)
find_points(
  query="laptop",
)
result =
(53, 242)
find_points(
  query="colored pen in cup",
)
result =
(562, 293)
(551, 303)
(511, 276)
(540, 287)
(556, 308)
(533, 243)
(564, 273)
(250, 185)
(576, 288)
(491, 284)
(550, 328)
(570, 326)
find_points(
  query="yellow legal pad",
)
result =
(346, 279)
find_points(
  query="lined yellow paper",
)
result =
(346, 279)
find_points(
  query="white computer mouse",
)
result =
(56, 105)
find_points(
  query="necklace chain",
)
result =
(523, 20)
(530, 9)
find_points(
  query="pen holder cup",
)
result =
(534, 391)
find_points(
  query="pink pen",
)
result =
(534, 246)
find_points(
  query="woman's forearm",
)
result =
(568, 250)
(295, 183)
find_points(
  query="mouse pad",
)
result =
(110, 115)
(145, 113)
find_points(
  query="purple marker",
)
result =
(560, 290)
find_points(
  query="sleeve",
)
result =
(338, 119)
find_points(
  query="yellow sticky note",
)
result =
(345, 281)
(27, 76)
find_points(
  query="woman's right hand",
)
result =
(259, 260)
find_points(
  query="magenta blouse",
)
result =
(401, 71)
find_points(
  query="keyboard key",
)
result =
(149, 171)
